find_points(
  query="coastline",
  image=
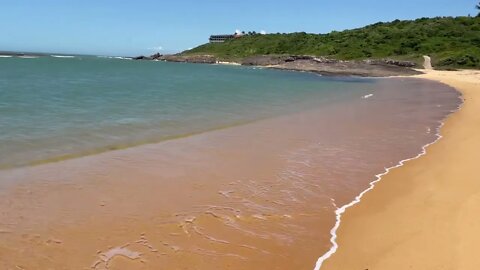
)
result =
(420, 216)
(91, 208)
(302, 63)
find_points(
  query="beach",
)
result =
(423, 215)
(260, 194)
(248, 135)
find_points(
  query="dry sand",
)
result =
(424, 215)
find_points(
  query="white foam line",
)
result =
(62, 56)
(378, 177)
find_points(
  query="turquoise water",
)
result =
(52, 108)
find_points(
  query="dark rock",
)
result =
(271, 60)
(156, 56)
(347, 68)
(266, 60)
(321, 65)
(303, 57)
(141, 57)
(201, 59)
(326, 66)
(391, 62)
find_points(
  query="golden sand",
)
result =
(424, 215)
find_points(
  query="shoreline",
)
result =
(108, 148)
(358, 199)
(348, 251)
(189, 221)
(258, 199)
(303, 63)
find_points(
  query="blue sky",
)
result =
(127, 27)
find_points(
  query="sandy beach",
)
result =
(423, 215)
(255, 196)
(240, 135)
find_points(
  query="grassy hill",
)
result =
(451, 42)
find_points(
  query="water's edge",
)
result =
(341, 210)
(118, 147)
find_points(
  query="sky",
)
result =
(142, 27)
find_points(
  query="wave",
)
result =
(5, 56)
(114, 57)
(62, 56)
(28, 57)
(340, 211)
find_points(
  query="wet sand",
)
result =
(423, 215)
(258, 196)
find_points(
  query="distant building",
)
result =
(222, 38)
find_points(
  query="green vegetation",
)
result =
(451, 42)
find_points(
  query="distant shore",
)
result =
(320, 65)
(423, 215)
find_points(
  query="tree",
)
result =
(478, 7)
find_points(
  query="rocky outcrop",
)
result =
(326, 66)
(264, 60)
(392, 62)
(201, 59)
(156, 56)
(269, 60)
(348, 68)
(142, 57)
(321, 65)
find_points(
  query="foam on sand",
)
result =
(340, 211)
(109, 255)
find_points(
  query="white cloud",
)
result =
(263, 32)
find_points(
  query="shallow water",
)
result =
(256, 196)
(58, 107)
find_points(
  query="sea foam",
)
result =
(340, 211)
(62, 56)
